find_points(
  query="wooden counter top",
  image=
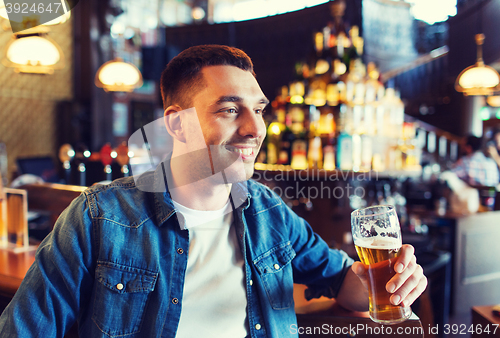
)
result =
(13, 268)
(482, 316)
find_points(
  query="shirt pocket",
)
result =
(120, 298)
(275, 269)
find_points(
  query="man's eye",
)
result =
(261, 111)
(230, 111)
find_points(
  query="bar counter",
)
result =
(13, 268)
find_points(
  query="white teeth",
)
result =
(247, 151)
(244, 151)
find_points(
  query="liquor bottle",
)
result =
(296, 120)
(356, 152)
(315, 153)
(285, 152)
(345, 151)
(332, 94)
(329, 157)
(326, 131)
(270, 153)
(299, 154)
(273, 135)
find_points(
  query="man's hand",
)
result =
(493, 153)
(407, 284)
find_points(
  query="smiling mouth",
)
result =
(243, 151)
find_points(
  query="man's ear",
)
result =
(173, 123)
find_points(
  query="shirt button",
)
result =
(257, 326)
(180, 251)
(175, 300)
(251, 282)
(276, 266)
(119, 286)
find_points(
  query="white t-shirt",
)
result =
(214, 299)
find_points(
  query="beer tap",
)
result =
(66, 154)
(106, 160)
(123, 158)
(82, 156)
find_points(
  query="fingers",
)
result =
(407, 253)
(359, 269)
(415, 293)
(408, 284)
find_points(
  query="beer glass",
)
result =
(377, 238)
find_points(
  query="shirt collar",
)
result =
(156, 182)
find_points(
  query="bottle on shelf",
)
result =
(338, 115)
(299, 155)
(345, 151)
(299, 143)
(276, 129)
(273, 142)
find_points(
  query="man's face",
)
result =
(230, 110)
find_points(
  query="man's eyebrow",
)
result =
(224, 99)
(264, 101)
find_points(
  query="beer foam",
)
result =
(379, 243)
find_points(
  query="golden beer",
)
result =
(379, 256)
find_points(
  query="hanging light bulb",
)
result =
(118, 76)
(478, 79)
(33, 54)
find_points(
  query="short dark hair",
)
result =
(182, 75)
(474, 142)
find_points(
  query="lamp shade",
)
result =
(478, 79)
(118, 76)
(33, 54)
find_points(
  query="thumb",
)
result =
(359, 270)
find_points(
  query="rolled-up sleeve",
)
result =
(316, 265)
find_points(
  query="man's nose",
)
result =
(252, 125)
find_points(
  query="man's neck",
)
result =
(194, 190)
(200, 196)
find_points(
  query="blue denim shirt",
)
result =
(116, 261)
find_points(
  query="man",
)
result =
(212, 254)
(494, 147)
(475, 168)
